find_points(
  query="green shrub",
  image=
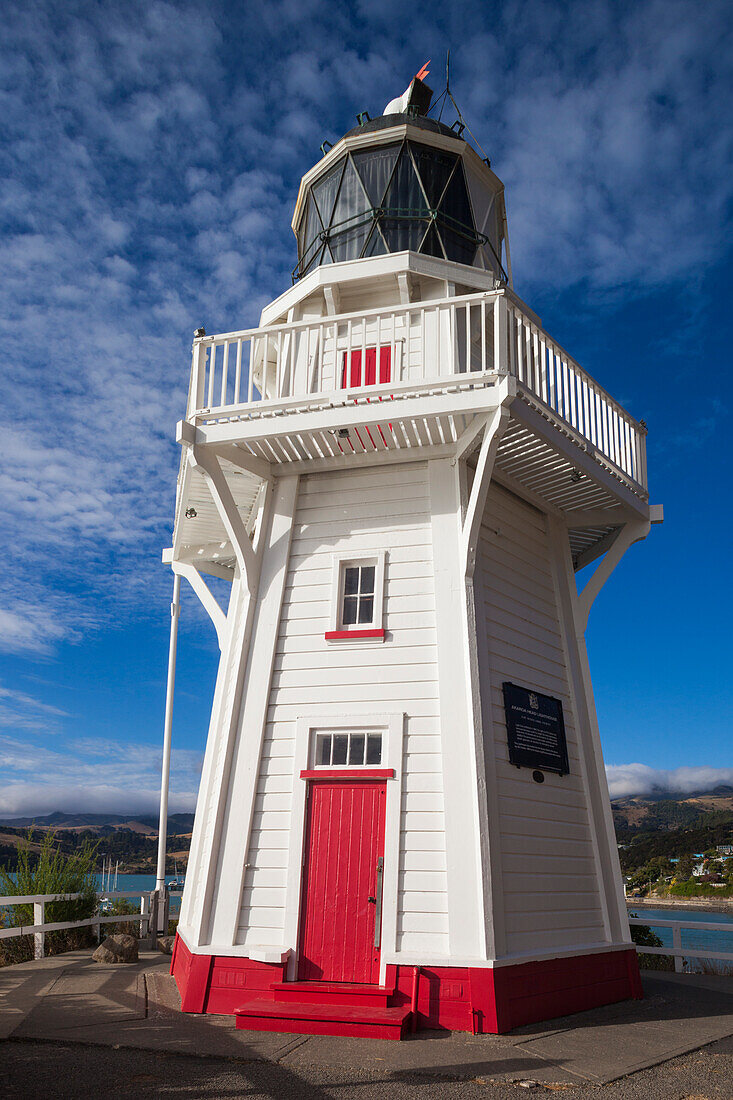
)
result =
(642, 935)
(121, 907)
(49, 871)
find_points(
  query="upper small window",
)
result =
(358, 600)
(357, 597)
(353, 750)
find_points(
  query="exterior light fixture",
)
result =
(576, 475)
(339, 433)
(191, 513)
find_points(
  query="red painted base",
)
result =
(456, 998)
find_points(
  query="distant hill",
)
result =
(651, 813)
(648, 827)
(102, 824)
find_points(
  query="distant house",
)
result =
(724, 849)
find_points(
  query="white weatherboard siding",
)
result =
(548, 867)
(356, 512)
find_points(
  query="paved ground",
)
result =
(56, 1015)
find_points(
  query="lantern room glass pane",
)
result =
(456, 204)
(434, 168)
(326, 189)
(375, 246)
(457, 247)
(375, 168)
(431, 243)
(351, 202)
(313, 225)
(403, 234)
(314, 258)
(348, 244)
(404, 194)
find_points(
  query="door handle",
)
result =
(378, 903)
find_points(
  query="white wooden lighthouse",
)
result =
(403, 818)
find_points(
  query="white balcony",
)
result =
(426, 374)
(266, 379)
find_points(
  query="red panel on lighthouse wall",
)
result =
(483, 1000)
(344, 839)
(354, 376)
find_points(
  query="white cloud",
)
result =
(626, 780)
(88, 774)
(38, 799)
(26, 627)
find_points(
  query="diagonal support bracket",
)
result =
(494, 426)
(215, 612)
(631, 532)
(247, 559)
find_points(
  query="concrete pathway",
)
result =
(71, 1000)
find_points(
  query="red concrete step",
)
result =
(362, 1021)
(333, 993)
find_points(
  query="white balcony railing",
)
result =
(680, 953)
(272, 369)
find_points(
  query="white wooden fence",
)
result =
(147, 916)
(422, 342)
(677, 950)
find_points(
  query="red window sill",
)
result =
(348, 773)
(340, 635)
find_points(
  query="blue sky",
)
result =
(151, 154)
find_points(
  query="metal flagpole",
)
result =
(166, 770)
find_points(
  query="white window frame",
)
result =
(392, 727)
(340, 563)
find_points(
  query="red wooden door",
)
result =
(353, 375)
(340, 903)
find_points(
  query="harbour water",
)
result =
(143, 883)
(691, 937)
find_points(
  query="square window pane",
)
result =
(356, 748)
(351, 580)
(366, 609)
(340, 743)
(324, 750)
(367, 580)
(350, 604)
(374, 748)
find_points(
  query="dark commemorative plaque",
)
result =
(535, 730)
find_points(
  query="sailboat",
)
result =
(176, 883)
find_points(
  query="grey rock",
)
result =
(118, 948)
(165, 944)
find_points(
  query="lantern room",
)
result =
(378, 194)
